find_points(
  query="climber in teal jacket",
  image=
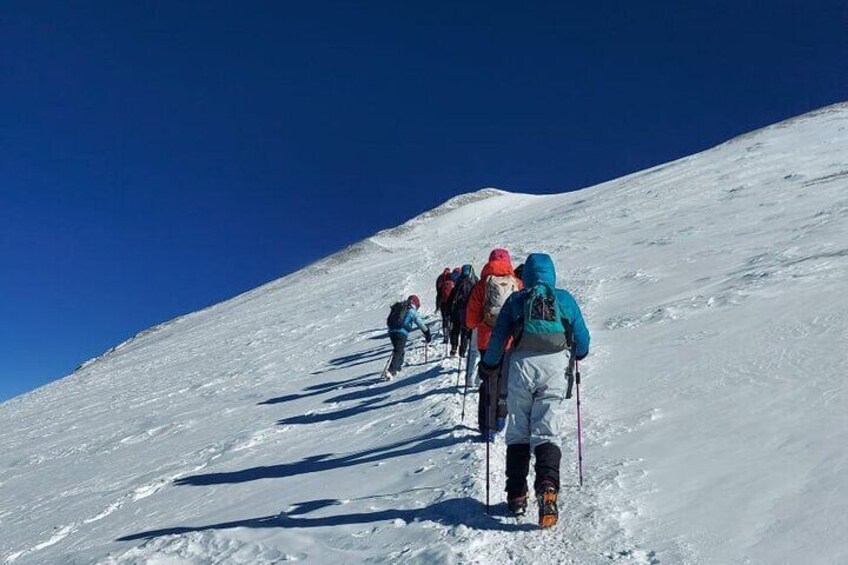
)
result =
(548, 331)
(538, 269)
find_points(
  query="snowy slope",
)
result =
(715, 406)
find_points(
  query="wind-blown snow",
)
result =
(255, 431)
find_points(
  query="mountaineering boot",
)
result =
(391, 375)
(548, 512)
(517, 466)
(517, 503)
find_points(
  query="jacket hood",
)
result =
(539, 268)
(499, 254)
(497, 268)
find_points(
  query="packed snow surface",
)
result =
(715, 410)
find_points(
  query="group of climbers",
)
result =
(529, 336)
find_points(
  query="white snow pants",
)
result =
(536, 394)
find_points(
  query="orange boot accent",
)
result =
(548, 512)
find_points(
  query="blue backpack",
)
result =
(543, 330)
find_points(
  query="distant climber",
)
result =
(403, 318)
(549, 334)
(444, 286)
(456, 305)
(519, 270)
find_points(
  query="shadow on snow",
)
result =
(361, 408)
(452, 512)
(323, 388)
(389, 386)
(356, 359)
(326, 461)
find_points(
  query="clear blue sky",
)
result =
(159, 157)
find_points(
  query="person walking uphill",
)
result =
(497, 282)
(548, 329)
(444, 287)
(456, 305)
(403, 319)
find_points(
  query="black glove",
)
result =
(428, 336)
(502, 410)
(487, 371)
(501, 414)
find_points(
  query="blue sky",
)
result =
(159, 157)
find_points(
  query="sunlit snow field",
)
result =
(715, 410)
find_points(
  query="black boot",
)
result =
(517, 467)
(548, 457)
(517, 504)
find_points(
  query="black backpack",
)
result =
(461, 294)
(397, 315)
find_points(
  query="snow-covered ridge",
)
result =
(446, 207)
(360, 249)
(832, 112)
(714, 403)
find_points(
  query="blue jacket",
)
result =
(410, 322)
(539, 268)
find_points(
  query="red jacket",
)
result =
(474, 310)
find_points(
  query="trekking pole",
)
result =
(488, 438)
(426, 352)
(579, 426)
(465, 386)
(464, 394)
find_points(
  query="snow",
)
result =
(256, 431)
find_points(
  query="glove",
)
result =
(502, 411)
(500, 415)
(487, 371)
(428, 336)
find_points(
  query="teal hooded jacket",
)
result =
(539, 268)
